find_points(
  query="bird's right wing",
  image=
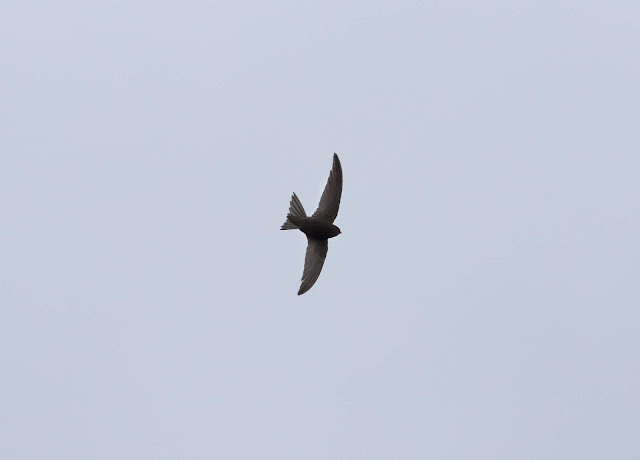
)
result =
(313, 262)
(330, 201)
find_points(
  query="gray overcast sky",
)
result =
(482, 301)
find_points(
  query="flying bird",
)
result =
(319, 227)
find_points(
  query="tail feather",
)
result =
(295, 210)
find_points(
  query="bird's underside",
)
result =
(315, 228)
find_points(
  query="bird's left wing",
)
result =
(330, 201)
(313, 262)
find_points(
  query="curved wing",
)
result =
(313, 262)
(330, 201)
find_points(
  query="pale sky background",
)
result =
(482, 302)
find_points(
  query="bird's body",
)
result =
(315, 228)
(319, 227)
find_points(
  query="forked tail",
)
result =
(295, 210)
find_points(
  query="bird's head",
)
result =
(335, 231)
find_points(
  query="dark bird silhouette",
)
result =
(319, 227)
